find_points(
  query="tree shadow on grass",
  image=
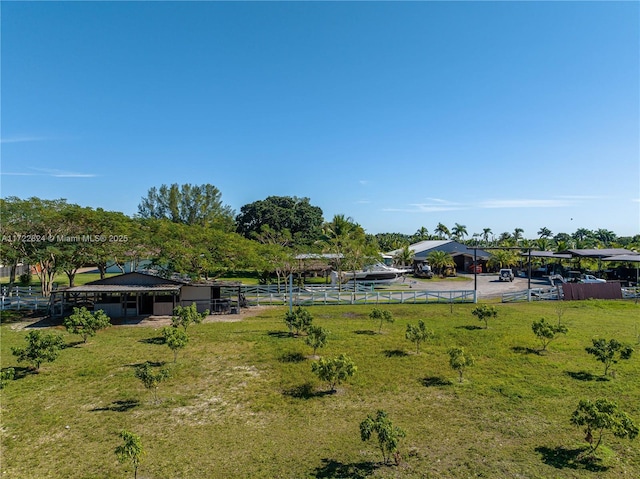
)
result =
(585, 376)
(336, 469)
(577, 458)
(470, 327)
(306, 391)
(395, 353)
(431, 381)
(153, 364)
(366, 332)
(523, 350)
(20, 372)
(280, 334)
(157, 340)
(292, 358)
(72, 344)
(119, 406)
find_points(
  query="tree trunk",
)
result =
(12, 274)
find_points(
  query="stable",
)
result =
(139, 294)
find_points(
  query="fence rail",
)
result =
(538, 294)
(264, 295)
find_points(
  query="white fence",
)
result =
(266, 295)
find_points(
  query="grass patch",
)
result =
(244, 400)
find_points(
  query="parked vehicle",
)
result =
(475, 268)
(506, 275)
(589, 278)
(423, 271)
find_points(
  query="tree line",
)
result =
(189, 231)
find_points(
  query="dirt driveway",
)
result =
(489, 286)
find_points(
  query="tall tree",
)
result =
(485, 234)
(295, 215)
(37, 231)
(442, 231)
(545, 232)
(459, 232)
(605, 236)
(421, 235)
(188, 204)
(517, 234)
(347, 241)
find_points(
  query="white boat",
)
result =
(375, 273)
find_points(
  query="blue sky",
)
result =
(496, 115)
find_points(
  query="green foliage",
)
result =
(151, 379)
(381, 315)
(439, 260)
(176, 339)
(599, 416)
(290, 219)
(503, 258)
(25, 278)
(609, 352)
(188, 204)
(130, 450)
(388, 435)
(186, 315)
(334, 370)
(298, 320)
(85, 323)
(547, 332)
(316, 337)
(41, 348)
(484, 313)
(418, 334)
(6, 375)
(459, 361)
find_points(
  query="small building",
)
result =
(140, 294)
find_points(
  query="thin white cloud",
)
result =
(51, 173)
(22, 139)
(524, 203)
(424, 208)
(635, 200)
(581, 197)
(363, 202)
(363, 182)
(432, 205)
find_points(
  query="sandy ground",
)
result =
(489, 286)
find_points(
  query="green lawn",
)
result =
(242, 402)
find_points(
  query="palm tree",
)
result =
(604, 236)
(442, 231)
(440, 260)
(338, 236)
(421, 235)
(505, 239)
(543, 244)
(485, 234)
(503, 258)
(545, 232)
(404, 257)
(459, 231)
(517, 234)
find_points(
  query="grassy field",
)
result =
(242, 401)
